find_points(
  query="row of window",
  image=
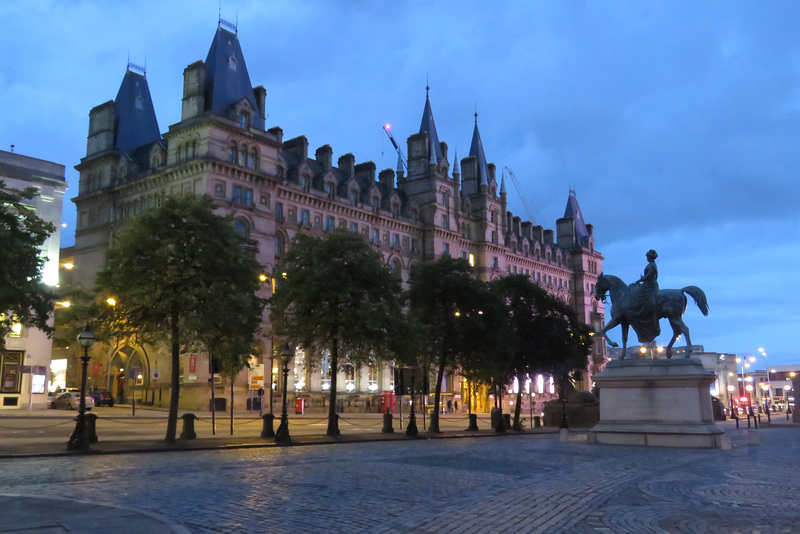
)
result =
(244, 157)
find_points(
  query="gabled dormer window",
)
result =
(244, 120)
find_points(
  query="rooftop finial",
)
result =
(232, 25)
(427, 86)
(476, 112)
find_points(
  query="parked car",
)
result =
(102, 398)
(71, 400)
(53, 395)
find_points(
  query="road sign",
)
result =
(257, 376)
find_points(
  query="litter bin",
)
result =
(254, 403)
(218, 404)
(299, 406)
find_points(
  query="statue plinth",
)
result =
(657, 403)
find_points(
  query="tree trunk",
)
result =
(437, 398)
(333, 419)
(175, 383)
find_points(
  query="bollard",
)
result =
(91, 427)
(757, 420)
(563, 435)
(495, 417)
(387, 423)
(537, 422)
(473, 422)
(188, 426)
(507, 420)
(725, 442)
(267, 430)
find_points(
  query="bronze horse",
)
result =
(670, 304)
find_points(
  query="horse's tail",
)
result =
(699, 297)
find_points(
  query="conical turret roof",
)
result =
(227, 81)
(135, 116)
(429, 125)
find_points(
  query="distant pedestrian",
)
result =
(449, 406)
(455, 406)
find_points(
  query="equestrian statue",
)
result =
(642, 304)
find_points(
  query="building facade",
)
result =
(433, 204)
(25, 364)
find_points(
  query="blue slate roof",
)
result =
(476, 150)
(428, 125)
(227, 81)
(574, 211)
(135, 117)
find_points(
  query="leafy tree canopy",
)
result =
(179, 272)
(336, 295)
(461, 322)
(24, 298)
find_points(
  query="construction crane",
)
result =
(388, 129)
(519, 192)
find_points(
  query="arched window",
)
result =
(242, 229)
(232, 154)
(252, 160)
(394, 267)
(280, 244)
(242, 160)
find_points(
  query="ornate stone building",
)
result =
(276, 189)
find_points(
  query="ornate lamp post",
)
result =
(282, 435)
(79, 440)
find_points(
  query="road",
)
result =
(512, 483)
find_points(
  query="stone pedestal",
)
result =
(657, 403)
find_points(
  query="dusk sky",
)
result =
(676, 123)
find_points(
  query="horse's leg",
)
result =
(676, 331)
(685, 330)
(624, 339)
(613, 323)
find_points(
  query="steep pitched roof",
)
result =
(476, 150)
(574, 211)
(227, 81)
(428, 125)
(135, 116)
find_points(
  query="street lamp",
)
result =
(282, 435)
(79, 440)
(730, 400)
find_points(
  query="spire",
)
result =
(428, 125)
(400, 167)
(456, 167)
(503, 185)
(574, 211)
(227, 81)
(476, 151)
(135, 116)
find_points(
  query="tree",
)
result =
(546, 335)
(180, 273)
(24, 298)
(461, 322)
(337, 296)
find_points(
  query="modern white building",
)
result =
(25, 364)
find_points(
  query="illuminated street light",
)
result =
(79, 441)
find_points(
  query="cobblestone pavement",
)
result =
(513, 483)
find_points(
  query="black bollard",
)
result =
(537, 421)
(473, 422)
(267, 430)
(91, 427)
(387, 423)
(188, 426)
(507, 420)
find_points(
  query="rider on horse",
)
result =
(642, 301)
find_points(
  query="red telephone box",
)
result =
(388, 401)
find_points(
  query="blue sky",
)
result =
(676, 123)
